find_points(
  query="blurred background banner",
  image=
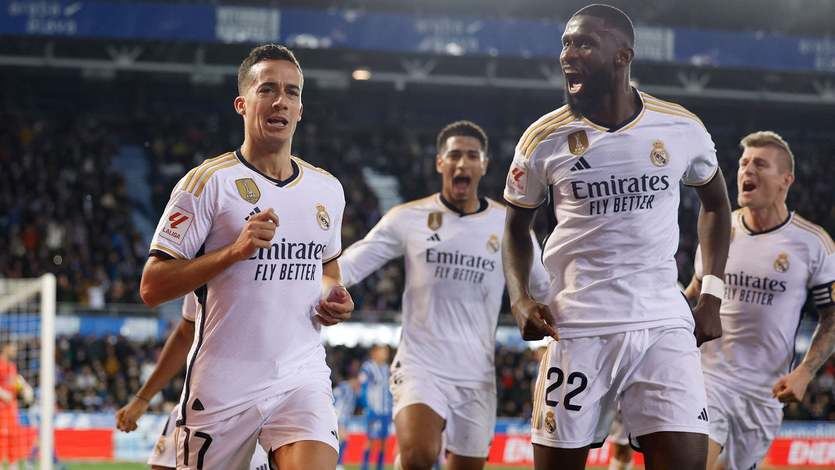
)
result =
(376, 31)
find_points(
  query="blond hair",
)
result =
(765, 138)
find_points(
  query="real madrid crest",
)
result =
(435, 220)
(578, 142)
(493, 244)
(248, 190)
(658, 155)
(550, 422)
(322, 217)
(781, 264)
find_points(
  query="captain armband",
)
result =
(824, 295)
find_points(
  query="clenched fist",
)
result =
(257, 233)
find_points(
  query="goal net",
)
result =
(27, 372)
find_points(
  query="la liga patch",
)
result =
(177, 223)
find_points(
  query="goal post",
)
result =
(27, 369)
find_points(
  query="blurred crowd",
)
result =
(101, 374)
(64, 206)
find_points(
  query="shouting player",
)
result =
(775, 258)
(443, 375)
(256, 233)
(611, 161)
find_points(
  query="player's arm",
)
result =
(165, 278)
(171, 361)
(534, 319)
(792, 387)
(381, 245)
(714, 229)
(336, 304)
(693, 290)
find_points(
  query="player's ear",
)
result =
(624, 56)
(788, 179)
(439, 159)
(485, 161)
(301, 108)
(240, 105)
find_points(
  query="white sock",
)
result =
(615, 464)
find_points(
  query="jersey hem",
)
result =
(581, 332)
(168, 251)
(522, 205)
(705, 181)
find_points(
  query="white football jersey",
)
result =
(454, 283)
(616, 198)
(255, 331)
(767, 278)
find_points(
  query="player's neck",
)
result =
(274, 163)
(765, 218)
(616, 108)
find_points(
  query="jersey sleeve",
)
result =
(187, 220)
(334, 247)
(383, 243)
(526, 185)
(702, 164)
(822, 279)
(189, 310)
(540, 281)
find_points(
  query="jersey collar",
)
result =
(280, 183)
(483, 205)
(752, 233)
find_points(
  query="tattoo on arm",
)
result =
(823, 341)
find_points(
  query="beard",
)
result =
(596, 86)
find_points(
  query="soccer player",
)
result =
(443, 375)
(256, 233)
(171, 361)
(775, 258)
(345, 396)
(611, 161)
(374, 381)
(10, 432)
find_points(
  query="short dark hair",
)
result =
(261, 53)
(612, 17)
(462, 128)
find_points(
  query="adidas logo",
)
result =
(254, 211)
(581, 164)
(703, 415)
(434, 238)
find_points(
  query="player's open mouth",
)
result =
(461, 183)
(574, 82)
(277, 121)
(748, 186)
